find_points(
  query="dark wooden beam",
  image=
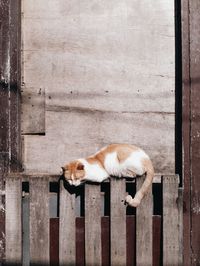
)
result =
(10, 49)
(186, 129)
(194, 23)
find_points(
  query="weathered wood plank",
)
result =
(39, 221)
(67, 233)
(171, 249)
(118, 222)
(92, 225)
(186, 128)
(77, 140)
(194, 52)
(144, 228)
(13, 221)
(180, 222)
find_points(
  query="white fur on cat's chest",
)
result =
(133, 162)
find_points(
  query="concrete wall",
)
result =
(97, 72)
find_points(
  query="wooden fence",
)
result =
(93, 225)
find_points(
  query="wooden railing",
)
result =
(93, 225)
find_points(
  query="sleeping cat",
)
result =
(120, 160)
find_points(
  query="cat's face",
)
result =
(74, 173)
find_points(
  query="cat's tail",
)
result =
(135, 202)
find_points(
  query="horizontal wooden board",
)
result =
(102, 82)
(97, 60)
(71, 135)
(164, 9)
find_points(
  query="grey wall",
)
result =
(97, 72)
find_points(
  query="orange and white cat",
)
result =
(120, 160)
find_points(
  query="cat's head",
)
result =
(74, 173)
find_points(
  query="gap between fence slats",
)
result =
(13, 222)
(130, 240)
(157, 238)
(118, 222)
(144, 228)
(80, 241)
(39, 221)
(170, 221)
(54, 241)
(67, 254)
(92, 225)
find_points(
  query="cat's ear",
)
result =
(80, 166)
(64, 168)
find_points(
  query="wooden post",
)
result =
(92, 225)
(67, 227)
(39, 221)
(13, 221)
(171, 225)
(118, 222)
(10, 49)
(144, 216)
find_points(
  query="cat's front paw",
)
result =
(133, 202)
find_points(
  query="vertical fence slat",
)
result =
(118, 222)
(144, 228)
(92, 225)
(170, 221)
(67, 226)
(13, 221)
(39, 221)
(180, 222)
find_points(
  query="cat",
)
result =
(120, 160)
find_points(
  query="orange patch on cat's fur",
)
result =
(122, 154)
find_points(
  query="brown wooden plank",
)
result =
(15, 85)
(186, 129)
(130, 240)
(105, 240)
(118, 222)
(54, 241)
(39, 221)
(170, 221)
(92, 224)
(144, 228)
(3, 173)
(80, 241)
(157, 240)
(194, 21)
(67, 253)
(180, 222)
(13, 221)
(4, 115)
